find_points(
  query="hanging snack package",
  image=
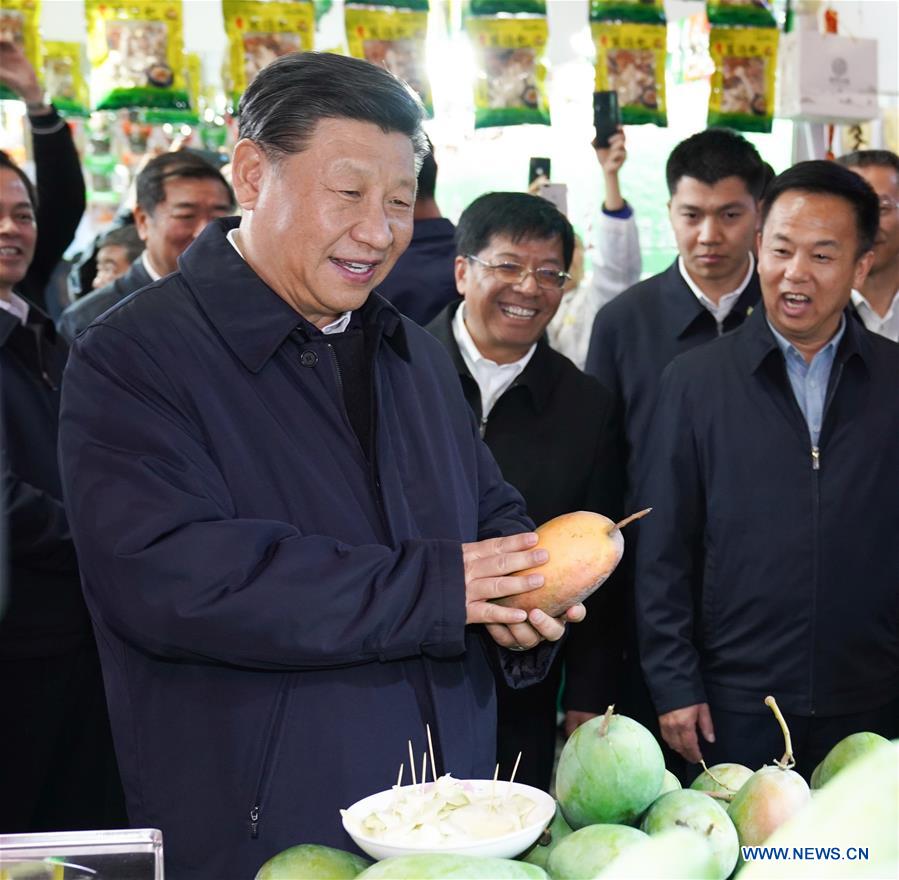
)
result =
(646, 11)
(511, 72)
(193, 79)
(260, 31)
(630, 60)
(135, 50)
(745, 62)
(19, 24)
(393, 35)
(64, 78)
(745, 13)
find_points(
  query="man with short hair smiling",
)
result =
(177, 195)
(548, 426)
(769, 564)
(878, 302)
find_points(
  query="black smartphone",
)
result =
(606, 116)
(538, 167)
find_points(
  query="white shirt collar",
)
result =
(337, 326)
(493, 379)
(725, 304)
(888, 325)
(145, 259)
(17, 306)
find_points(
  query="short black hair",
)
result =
(427, 175)
(714, 154)
(6, 162)
(518, 216)
(830, 179)
(126, 237)
(285, 102)
(871, 158)
(152, 178)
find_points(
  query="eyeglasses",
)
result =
(887, 205)
(513, 273)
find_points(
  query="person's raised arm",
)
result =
(60, 184)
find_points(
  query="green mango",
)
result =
(610, 770)
(310, 861)
(540, 852)
(847, 750)
(451, 867)
(765, 801)
(676, 854)
(732, 777)
(857, 810)
(585, 852)
(702, 814)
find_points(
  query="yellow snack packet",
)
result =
(511, 70)
(259, 32)
(745, 62)
(630, 59)
(135, 48)
(394, 38)
(19, 20)
(64, 78)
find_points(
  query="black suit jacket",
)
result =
(553, 436)
(82, 312)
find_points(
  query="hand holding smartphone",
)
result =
(606, 117)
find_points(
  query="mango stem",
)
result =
(717, 781)
(606, 720)
(787, 761)
(629, 519)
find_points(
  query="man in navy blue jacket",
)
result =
(288, 526)
(715, 179)
(770, 562)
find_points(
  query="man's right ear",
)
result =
(461, 268)
(248, 166)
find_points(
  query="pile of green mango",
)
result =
(622, 815)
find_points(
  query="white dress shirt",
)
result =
(493, 379)
(888, 325)
(726, 302)
(16, 306)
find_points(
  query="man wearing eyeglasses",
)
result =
(548, 426)
(877, 303)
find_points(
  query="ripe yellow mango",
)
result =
(584, 549)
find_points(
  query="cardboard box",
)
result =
(827, 78)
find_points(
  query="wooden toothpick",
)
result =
(431, 750)
(512, 777)
(412, 763)
(424, 770)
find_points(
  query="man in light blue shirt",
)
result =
(769, 563)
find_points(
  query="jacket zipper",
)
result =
(268, 757)
(816, 511)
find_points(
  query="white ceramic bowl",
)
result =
(506, 846)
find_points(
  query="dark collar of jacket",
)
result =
(37, 321)
(761, 347)
(36, 344)
(684, 308)
(538, 377)
(252, 319)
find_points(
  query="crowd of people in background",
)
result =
(219, 500)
